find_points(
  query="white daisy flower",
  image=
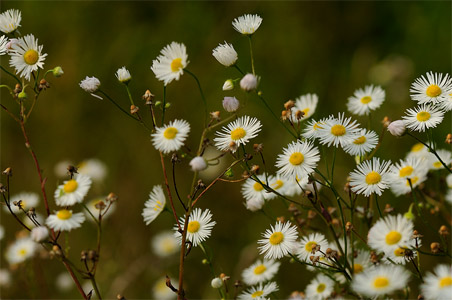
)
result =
(10, 20)
(402, 186)
(199, 226)
(308, 243)
(90, 85)
(361, 262)
(162, 292)
(281, 184)
(296, 187)
(306, 104)
(433, 89)
(338, 131)
(72, 191)
(26, 56)
(3, 45)
(123, 75)
(165, 244)
(278, 241)
(170, 137)
(155, 205)
(237, 133)
(247, 24)
(225, 54)
(27, 201)
(260, 271)
(434, 163)
(418, 150)
(259, 292)
(94, 168)
(171, 62)
(364, 142)
(438, 285)
(320, 287)
(254, 190)
(65, 220)
(91, 205)
(298, 159)
(408, 168)
(381, 280)
(423, 117)
(389, 233)
(312, 129)
(365, 100)
(21, 250)
(370, 177)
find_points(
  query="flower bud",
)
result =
(90, 84)
(198, 164)
(216, 283)
(225, 54)
(123, 75)
(228, 85)
(397, 128)
(230, 104)
(57, 71)
(39, 234)
(22, 95)
(248, 82)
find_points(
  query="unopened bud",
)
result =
(449, 139)
(216, 283)
(230, 104)
(397, 128)
(112, 197)
(349, 226)
(284, 115)
(17, 89)
(148, 97)
(134, 109)
(435, 247)
(228, 85)
(57, 71)
(249, 82)
(443, 230)
(22, 95)
(258, 147)
(386, 121)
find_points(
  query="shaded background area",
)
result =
(327, 48)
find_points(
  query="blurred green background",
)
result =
(328, 48)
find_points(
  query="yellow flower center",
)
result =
(357, 268)
(317, 126)
(170, 133)
(260, 269)
(237, 134)
(413, 181)
(399, 252)
(321, 287)
(276, 238)
(393, 237)
(373, 178)
(258, 187)
(70, 186)
(406, 171)
(278, 184)
(437, 164)
(417, 147)
(158, 206)
(257, 294)
(423, 116)
(445, 282)
(366, 99)
(176, 64)
(193, 226)
(338, 130)
(359, 141)
(310, 245)
(296, 158)
(64, 214)
(31, 57)
(305, 111)
(22, 252)
(381, 282)
(433, 91)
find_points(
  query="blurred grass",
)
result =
(328, 48)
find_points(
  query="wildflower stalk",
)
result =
(251, 54)
(432, 150)
(201, 92)
(11, 74)
(378, 205)
(209, 262)
(164, 105)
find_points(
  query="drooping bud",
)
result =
(397, 128)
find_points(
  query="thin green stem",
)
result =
(200, 91)
(164, 105)
(251, 54)
(130, 95)
(378, 205)
(12, 75)
(431, 150)
(238, 69)
(117, 105)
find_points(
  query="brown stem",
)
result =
(77, 283)
(169, 191)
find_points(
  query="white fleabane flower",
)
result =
(260, 271)
(299, 159)
(259, 292)
(364, 142)
(413, 168)
(320, 287)
(237, 133)
(21, 250)
(281, 184)
(65, 220)
(171, 62)
(225, 54)
(228, 85)
(198, 163)
(370, 177)
(216, 283)
(3, 45)
(72, 191)
(249, 82)
(199, 227)
(27, 201)
(170, 137)
(418, 150)
(366, 100)
(446, 104)
(165, 244)
(26, 56)
(431, 90)
(389, 233)
(94, 168)
(438, 285)
(380, 280)
(278, 241)
(253, 189)
(39, 234)
(10, 20)
(123, 75)
(90, 84)
(423, 117)
(306, 104)
(155, 205)
(230, 104)
(247, 24)
(309, 243)
(312, 129)
(397, 128)
(361, 262)
(433, 161)
(338, 131)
